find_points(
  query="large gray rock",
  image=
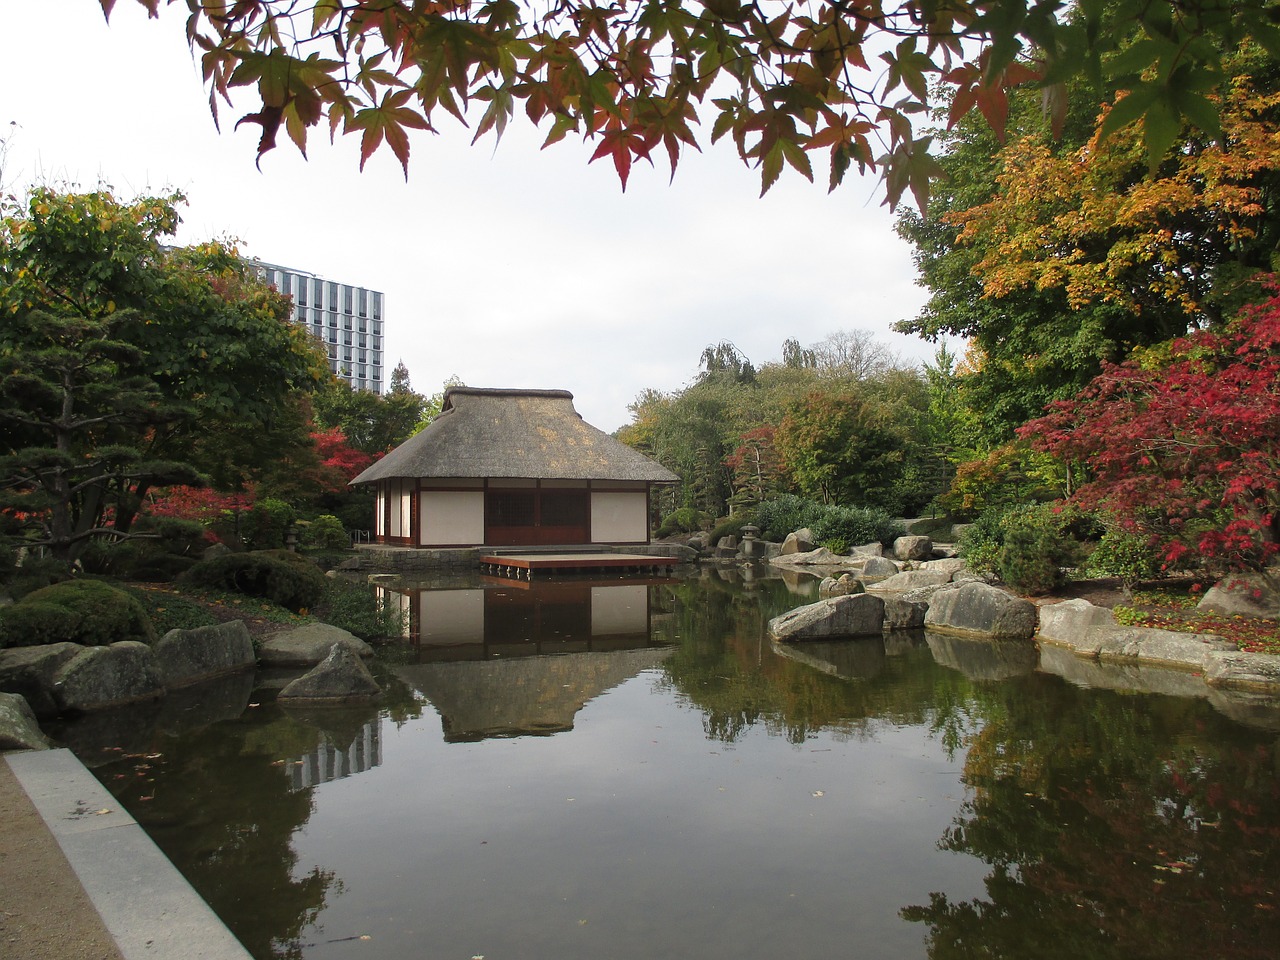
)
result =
(101, 677)
(980, 608)
(307, 645)
(948, 565)
(879, 567)
(800, 541)
(18, 728)
(185, 657)
(1253, 596)
(868, 550)
(1168, 648)
(1071, 622)
(913, 580)
(822, 557)
(29, 672)
(340, 678)
(902, 614)
(1243, 671)
(852, 616)
(913, 548)
(839, 587)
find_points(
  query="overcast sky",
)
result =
(505, 266)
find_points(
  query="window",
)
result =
(347, 293)
(564, 509)
(511, 508)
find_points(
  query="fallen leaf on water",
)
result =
(818, 793)
(102, 811)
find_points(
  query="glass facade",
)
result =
(340, 316)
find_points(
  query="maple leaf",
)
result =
(387, 121)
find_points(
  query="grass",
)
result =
(1170, 609)
(171, 608)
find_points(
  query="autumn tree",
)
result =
(1182, 443)
(370, 422)
(121, 360)
(781, 81)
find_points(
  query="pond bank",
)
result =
(85, 882)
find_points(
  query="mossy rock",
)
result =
(87, 612)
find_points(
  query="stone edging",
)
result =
(1091, 633)
(147, 906)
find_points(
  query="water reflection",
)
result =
(715, 795)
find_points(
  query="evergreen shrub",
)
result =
(683, 520)
(786, 514)
(88, 612)
(1027, 545)
(264, 527)
(841, 528)
(325, 533)
(295, 583)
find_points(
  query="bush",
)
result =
(294, 583)
(169, 611)
(356, 608)
(1130, 557)
(325, 533)
(786, 514)
(841, 528)
(264, 527)
(87, 612)
(33, 574)
(165, 548)
(1026, 546)
(684, 520)
(731, 526)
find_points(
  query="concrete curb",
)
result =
(145, 903)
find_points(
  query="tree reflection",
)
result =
(725, 667)
(228, 819)
(1117, 826)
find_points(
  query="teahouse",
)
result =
(512, 468)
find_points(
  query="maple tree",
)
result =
(782, 81)
(1182, 442)
(123, 364)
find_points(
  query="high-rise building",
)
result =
(346, 319)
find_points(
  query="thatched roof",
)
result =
(534, 434)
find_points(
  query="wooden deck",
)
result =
(526, 565)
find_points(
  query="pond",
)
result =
(630, 769)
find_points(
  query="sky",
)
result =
(502, 265)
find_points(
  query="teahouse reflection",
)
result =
(509, 658)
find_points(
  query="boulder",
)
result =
(1071, 622)
(851, 616)
(189, 656)
(18, 728)
(1170, 648)
(913, 548)
(902, 614)
(879, 567)
(801, 541)
(700, 541)
(822, 557)
(842, 586)
(101, 677)
(1254, 595)
(913, 579)
(1243, 671)
(340, 678)
(307, 645)
(980, 608)
(952, 566)
(868, 550)
(29, 672)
